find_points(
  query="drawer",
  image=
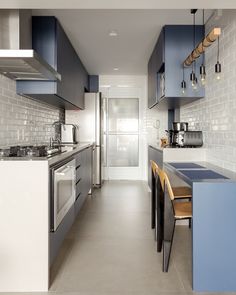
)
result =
(78, 172)
(78, 159)
(79, 203)
(78, 189)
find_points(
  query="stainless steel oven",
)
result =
(62, 191)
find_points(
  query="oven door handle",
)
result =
(65, 170)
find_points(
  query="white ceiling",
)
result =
(137, 30)
(117, 4)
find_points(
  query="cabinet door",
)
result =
(151, 81)
(155, 66)
(89, 152)
(74, 75)
(159, 51)
(178, 45)
(156, 156)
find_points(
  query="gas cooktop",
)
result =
(29, 151)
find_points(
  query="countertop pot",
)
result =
(180, 126)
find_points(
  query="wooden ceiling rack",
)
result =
(200, 48)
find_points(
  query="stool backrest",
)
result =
(169, 188)
(164, 179)
(155, 168)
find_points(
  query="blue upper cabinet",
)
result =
(165, 72)
(52, 44)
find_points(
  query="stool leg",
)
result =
(153, 197)
(160, 217)
(169, 228)
(190, 223)
(167, 246)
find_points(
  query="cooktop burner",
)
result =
(29, 151)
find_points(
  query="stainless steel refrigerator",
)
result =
(91, 123)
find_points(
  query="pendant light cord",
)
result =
(203, 33)
(194, 33)
(218, 49)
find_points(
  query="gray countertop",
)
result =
(208, 173)
(67, 151)
(158, 147)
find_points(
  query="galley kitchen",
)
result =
(117, 148)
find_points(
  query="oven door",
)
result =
(63, 192)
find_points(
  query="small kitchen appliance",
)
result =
(189, 139)
(174, 132)
(69, 133)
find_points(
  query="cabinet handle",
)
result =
(78, 167)
(78, 196)
(78, 181)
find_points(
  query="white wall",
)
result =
(216, 113)
(119, 86)
(23, 120)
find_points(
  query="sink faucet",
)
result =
(56, 139)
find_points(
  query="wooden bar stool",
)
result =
(157, 202)
(157, 205)
(172, 211)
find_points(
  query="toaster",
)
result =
(69, 133)
(189, 138)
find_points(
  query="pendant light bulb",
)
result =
(218, 65)
(203, 74)
(218, 70)
(183, 84)
(183, 87)
(193, 78)
(195, 85)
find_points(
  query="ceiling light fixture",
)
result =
(116, 69)
(183, 84)
(193, 77)
(203, 67)
(218, 65)
(113, 33)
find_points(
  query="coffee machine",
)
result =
(173, 133)
(180, 136)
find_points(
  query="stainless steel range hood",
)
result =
(18, 60)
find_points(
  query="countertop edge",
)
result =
(50, 161)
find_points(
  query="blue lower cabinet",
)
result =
(57, 237)
(214, 236)
(155, 155)
(82, 188)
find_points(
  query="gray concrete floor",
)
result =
(110, 249)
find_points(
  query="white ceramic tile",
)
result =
(23, 120)
(215, 114)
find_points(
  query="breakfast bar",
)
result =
(213, 224)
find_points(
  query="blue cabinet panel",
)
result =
(173, 46)
(52, 44)
(214, 237)
(178, 45)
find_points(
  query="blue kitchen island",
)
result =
(213, 224)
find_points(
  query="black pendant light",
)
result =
(218, 65)
(193, 77)
(203, 67)
(183, 85)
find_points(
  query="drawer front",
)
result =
(79, 203)
(78, 172)
(78, 188)
(78, 159)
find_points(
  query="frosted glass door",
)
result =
(123, 132)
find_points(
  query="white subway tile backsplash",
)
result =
(215, 114)
(23, 120)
